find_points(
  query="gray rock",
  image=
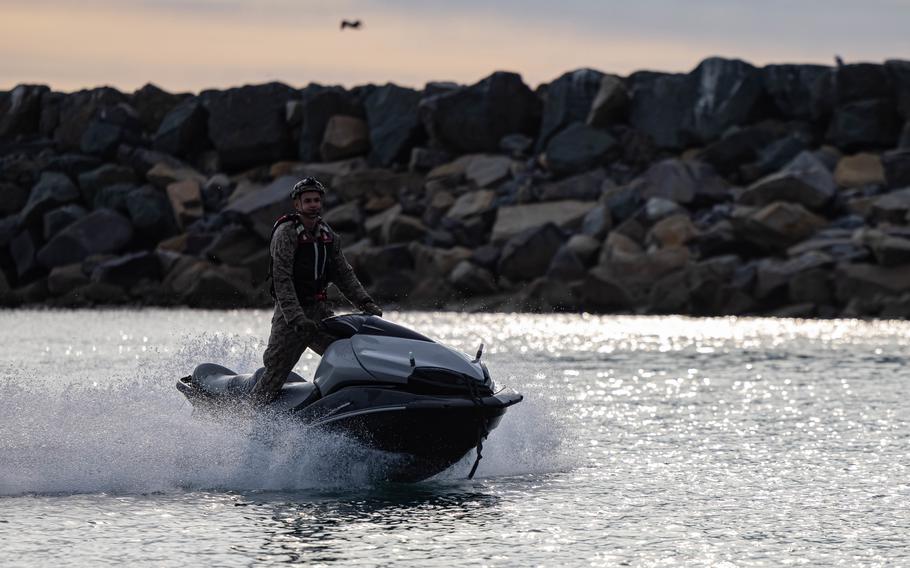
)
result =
(127, 271)
(791, 88)
(891, 207)
(578, 147)
(587, 186)
(514, 219)
(65, 279)
(567, 100)
(374, 182)
(51, 191)
(657, 208)
(472, 203)
(488, 171)
(262, 208)
(113, 197)
(805, 180)
(233, 245)
(815, 285)
(318, 107)
(598, 222)
(184, 130)
(20, 111)
(94, 180)
(13, 198)
(345, 137)
(858, 81)
(474, 119)
(395, 126)
(864, 124)
(152, 104)
(896, 164)
(56, 220)
(151, 214)
(865, 282)
(727, 94)
(682, 181)
(777, 226)
(425, 159)
(528, 254)
(624, 201)
(247, 125)
(661, 106)
(611, 104)
(602, 291)
(77, 110)
(472, 279)
(22, 250)
(899, 73)
(774, 275)
(220, 288)
(402, 229)
(100, 232)
(102, 139)
(516, 145)
(346, 218)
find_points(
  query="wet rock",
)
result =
(859, 170)
(99, 232)
(514, 219)
(247, 124)
(64, 279)
(474, 119)
(127, 271)
(528, 254)
(896, 164)
(472, 279)
(864, 124)
(345, 137)
(56, 220)
(395, 126)
(578, 147)
(91, 182)
(682, 181)
(20, 111)
(791, 88)
(611, 104)
(777, 226)
(52, 190)
(805, 180)
(567, 100)
(184, 130)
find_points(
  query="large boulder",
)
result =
(891, 207)
(472, 279)
(22, 249)
(100, 232)
(791, 88)
(52, 190)
(394, 121)
(152, 104)
(475, 118)
(871, 123)
(13, 198)
(112, 126)
(727, 92)
(610, 104)
(56, 220)
(186, 201)
(20, 111)
(184, 130)
(127, 271)
(577, 148)
(247, 124)
(514, 219)
(773, 275)
(867, 281)
(77, 110)
(777, 225)
(858, 81)
(661, 106)
(896, 164)
(602, 291)
(263, 207)
(566, 100)
(858, 170)
(318, 106)
(91, 182)
(682, 181)
(899, 73)
(528, 254)
(805, 180)
(151, 214)
(344, 137)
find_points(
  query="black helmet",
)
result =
(307, 184)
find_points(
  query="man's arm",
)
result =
(283, 247)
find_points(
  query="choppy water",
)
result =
(642, 441)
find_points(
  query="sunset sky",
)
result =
(190, 45)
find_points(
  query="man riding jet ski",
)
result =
(387, 386)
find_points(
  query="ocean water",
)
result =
(642, 441)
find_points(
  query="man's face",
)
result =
(309, 204)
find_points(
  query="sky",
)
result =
(191, 45)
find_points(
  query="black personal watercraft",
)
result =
(387, 386)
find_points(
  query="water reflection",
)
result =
(383, 521)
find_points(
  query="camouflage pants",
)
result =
(286, 345)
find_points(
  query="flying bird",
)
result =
(353, 24)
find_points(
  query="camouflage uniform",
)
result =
(294, 323)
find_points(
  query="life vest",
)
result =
(312, 269)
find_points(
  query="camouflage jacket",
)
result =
(286, 239)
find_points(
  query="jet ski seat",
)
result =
(217, 380)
